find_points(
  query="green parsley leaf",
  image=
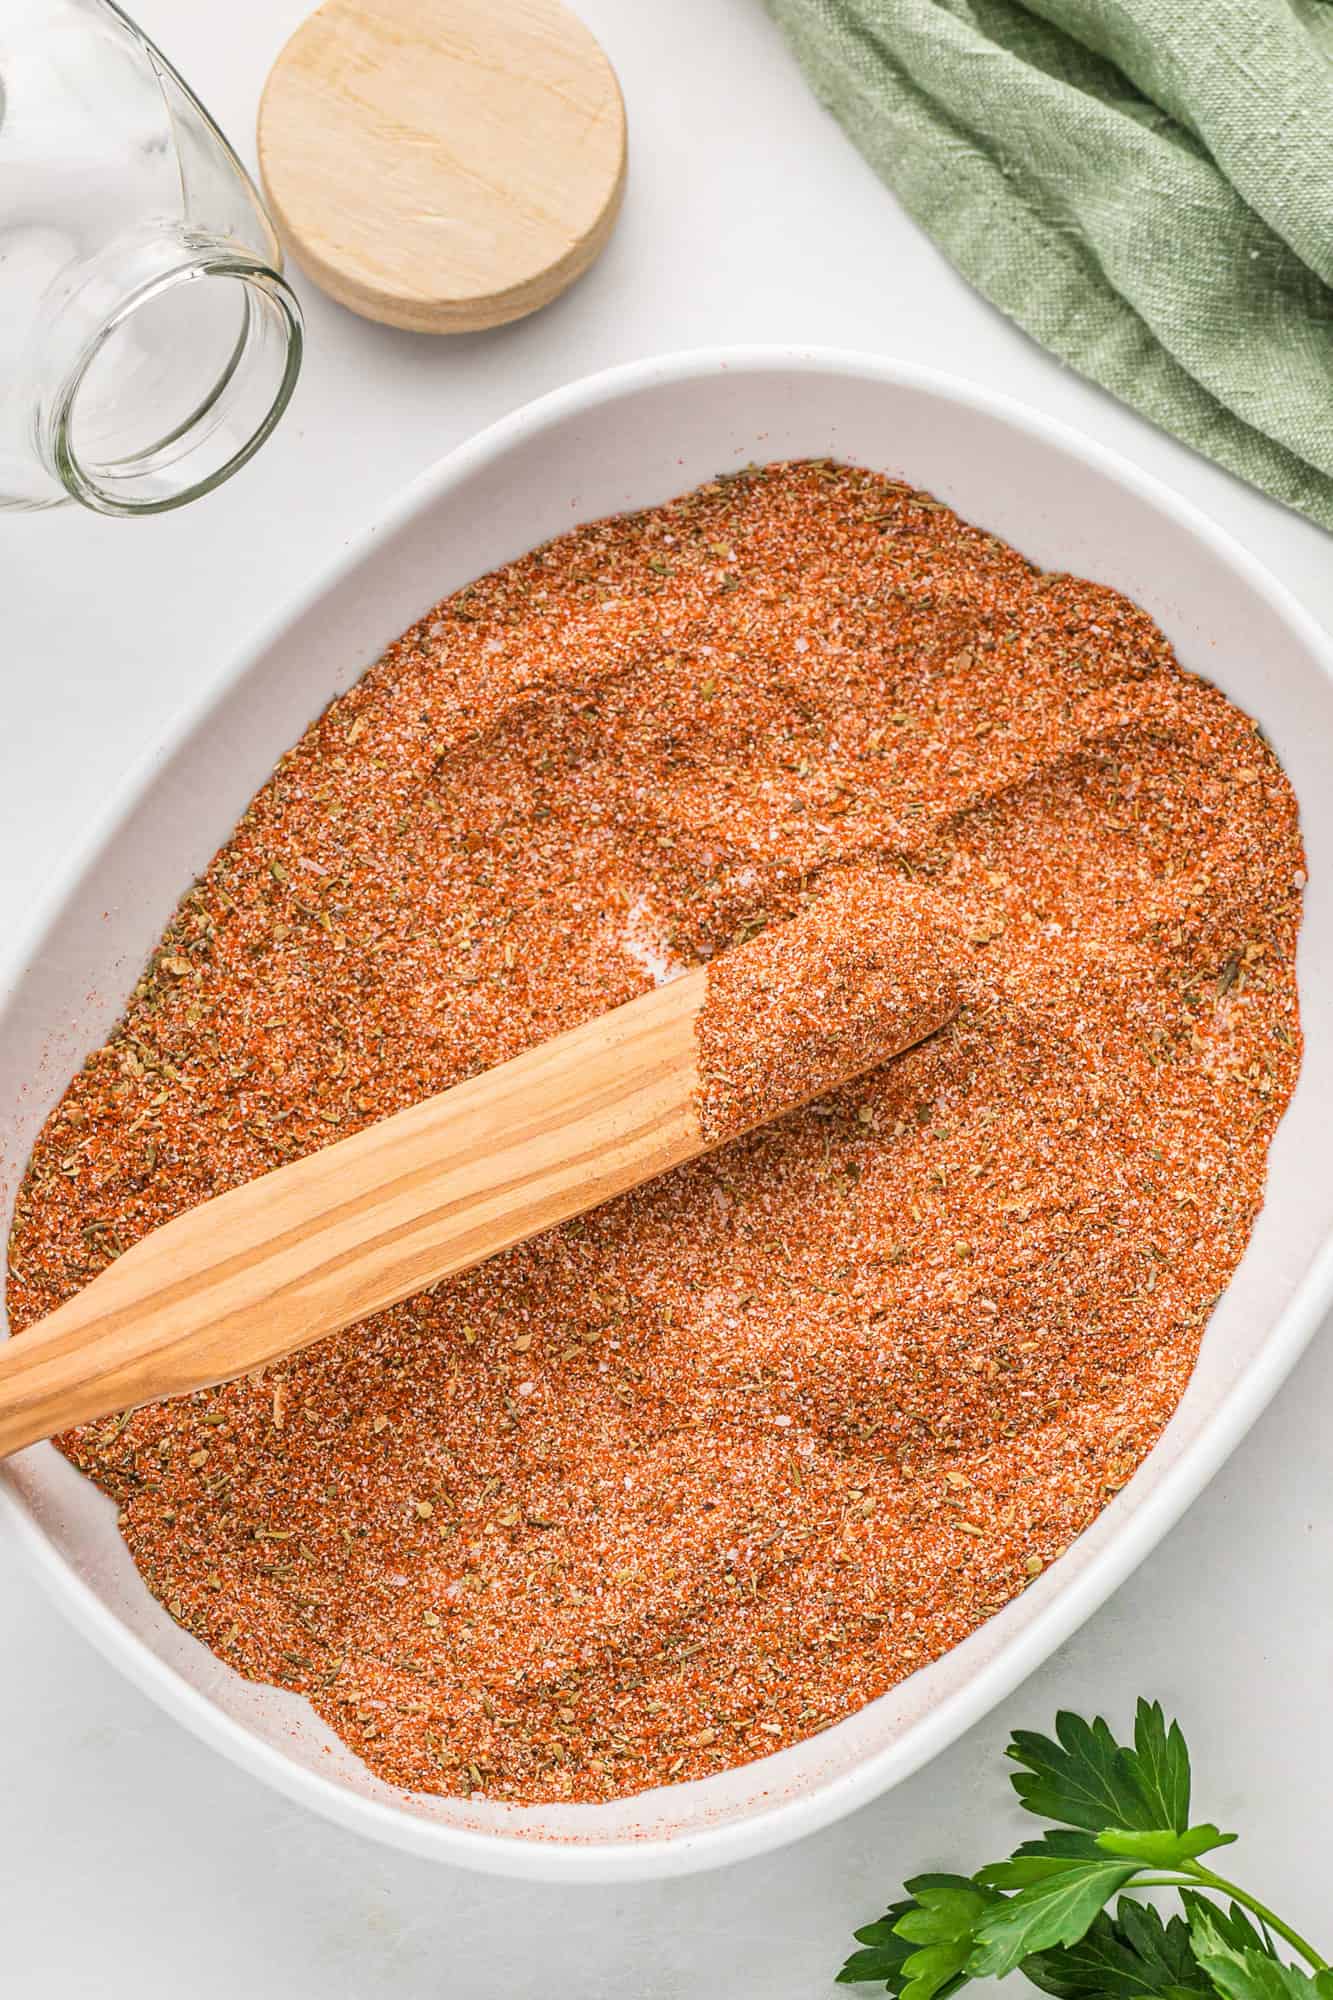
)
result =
(1234, 1925)
(936, 1968)
(1058, 1849)
(879, 1963)
(1122, 1958)
(1122, 1811)
(1056, 1911)
(1161, 1765)
(884, 1954)
(943, 1911)
(1239, 1972)
(1161, 1849)
(943, 1924)
(887, 1953)
(1086, 1779)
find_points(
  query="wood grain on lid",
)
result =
(443, 165)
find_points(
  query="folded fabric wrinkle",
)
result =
(1146, 188)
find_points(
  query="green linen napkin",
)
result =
(1146, 186)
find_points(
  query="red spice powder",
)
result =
(861, 975)
(704, 1471)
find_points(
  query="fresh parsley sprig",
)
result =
(1122, 1816)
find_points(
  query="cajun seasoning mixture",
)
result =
(869, 970)
(702, 1472)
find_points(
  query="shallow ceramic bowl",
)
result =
(622, 440)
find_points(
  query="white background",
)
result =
(133, 1862)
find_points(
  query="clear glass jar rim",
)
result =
(144, 484)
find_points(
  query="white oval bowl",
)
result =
(626, 439)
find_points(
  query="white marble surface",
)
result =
(133, 1862)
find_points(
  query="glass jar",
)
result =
(148, 343)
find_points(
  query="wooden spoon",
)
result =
(258, 1272)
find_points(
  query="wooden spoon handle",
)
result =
(267, 1268)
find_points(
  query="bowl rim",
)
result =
(784, 1819)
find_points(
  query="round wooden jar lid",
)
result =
(443, 165)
